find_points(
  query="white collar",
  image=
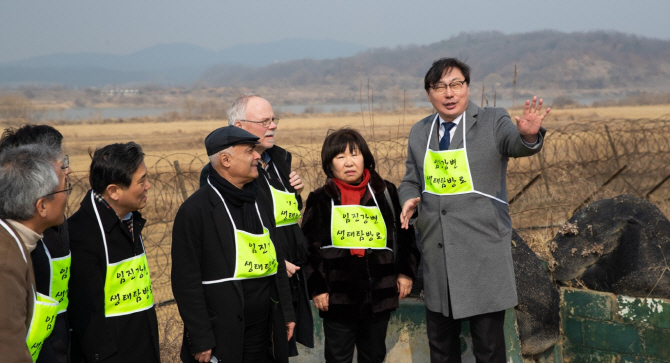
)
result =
(456, 121)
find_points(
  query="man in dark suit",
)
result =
(456, 170)
(112, 312)
(228, 278)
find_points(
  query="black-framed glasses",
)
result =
(455, 86)
(68, 190)
(265, 123)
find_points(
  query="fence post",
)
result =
(616, 155)
(542, 170)
(600, 188)
(180, 180)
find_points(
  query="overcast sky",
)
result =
(39, 27)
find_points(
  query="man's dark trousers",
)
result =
(487, 331)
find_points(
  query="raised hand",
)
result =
(529, 125)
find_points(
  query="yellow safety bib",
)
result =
(285, 207)
(356, 226)
(447, 172)
(128, 287)
(60, 277)
(41, 324)
(127, 283)
(255, 254)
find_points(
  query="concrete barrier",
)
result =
(596, 327)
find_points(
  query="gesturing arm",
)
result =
(409, 191)
(531, 121)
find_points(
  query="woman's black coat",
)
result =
(358, 287)
(293, 243)
(203, 249)
(95, 338)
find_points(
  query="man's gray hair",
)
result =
(238, 109)
(26, 175)
(214, 158)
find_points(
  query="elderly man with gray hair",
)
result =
(33, 195)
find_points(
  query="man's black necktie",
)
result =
(445, 140)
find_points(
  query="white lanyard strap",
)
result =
(228, 211)
(104, 238)
(430, 134)
(209, 282)
(279, 177)
(51, 268)
(372, 193)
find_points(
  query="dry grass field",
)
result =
(187, 136)
(584, 148)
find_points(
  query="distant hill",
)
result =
(569, 63)
(582, 66)
(177, 63)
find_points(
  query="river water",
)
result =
(86, 113)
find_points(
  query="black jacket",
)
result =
(358, 287)
(95, 338)
(213, 314)
(56, 347)
(293, 244)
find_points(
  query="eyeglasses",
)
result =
(68, 190)
(66, 162)
(455, 86)
(265, 123)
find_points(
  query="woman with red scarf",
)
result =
(360, 262)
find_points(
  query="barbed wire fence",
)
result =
(579, 163)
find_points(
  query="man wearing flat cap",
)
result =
(278, 190)
(228, 279)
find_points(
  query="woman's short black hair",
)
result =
(115, 164)
(435, 73)
(337, 142)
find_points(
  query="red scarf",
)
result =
(352, 195)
